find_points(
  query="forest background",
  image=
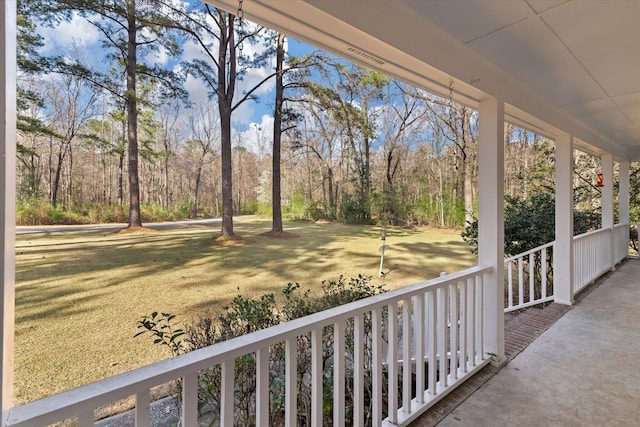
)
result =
(163, 109)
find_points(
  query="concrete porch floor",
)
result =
(582, 371)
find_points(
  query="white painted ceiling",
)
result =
(560, 66)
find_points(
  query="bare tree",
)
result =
(72, 107)
(206, 132)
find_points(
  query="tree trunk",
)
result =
(121, 178)
(276, 225)
(167, 203)
(332, 200)
(196, 191)
(70, 181)
(56, 178)
(225, 99)
(135, 219)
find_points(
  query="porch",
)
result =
(453, 324)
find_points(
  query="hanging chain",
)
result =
(240, 15)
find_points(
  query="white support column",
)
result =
(607, 204)
(623, 194)
(623, 198)
(563, 250)
(7, 193)
(491, 222)
(607, 190)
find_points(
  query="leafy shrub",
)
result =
(245, 315)
(263, 209)
(41, 212)
(354, 211)
(529, 223)
(301, 208)
(446, 211)
(105, 213)
(38, 211)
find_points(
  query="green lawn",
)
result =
(79, 294)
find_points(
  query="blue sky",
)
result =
(78, 35)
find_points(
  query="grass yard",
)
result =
(80, 294)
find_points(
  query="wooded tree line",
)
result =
(116, 128)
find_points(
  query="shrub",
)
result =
(354, 211)
(41, 212)
(245, 315)
(529, 223)
(301, 208)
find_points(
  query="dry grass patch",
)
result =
(80, 294)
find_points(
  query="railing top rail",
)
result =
(591, 233)
(530, 251)
(60, 405)
(624, 224)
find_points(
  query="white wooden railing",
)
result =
(526, 279)
(621, 242)
(439, 322)
(591, 257)
(529, 282)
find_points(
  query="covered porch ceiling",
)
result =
(560, 66)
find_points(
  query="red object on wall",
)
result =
(599, 180)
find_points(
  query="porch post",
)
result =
(607, 204)
(491, 222)
(7, 194)
(623, 193)
(563, 250)
(623, 197)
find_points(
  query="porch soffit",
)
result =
(560, 66)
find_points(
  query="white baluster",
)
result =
(358, 369)
(464, 328)
(392, 359)
(190, 399)
(442, 335)
(376, 366)
(227, 372)
(85, 418)
(143, 416)
(432, 335)
(471, 313)
(291, 382)
(543, 264)
(453, 330)
(262, 387)
(479, 318)
(418, 322)
(532, 291)
(406, 355)
(520, 281)
(338, 374)
(316, 378)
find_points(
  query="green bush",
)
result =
(264, 209)
(301, 208)
(530, 222)
(436, 211)
(245, 315)
(41, 212)
(353, 211)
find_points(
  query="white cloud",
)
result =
(198, 91)
(258, 137)
(160, 57)
(244, 114)
(78, 31)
